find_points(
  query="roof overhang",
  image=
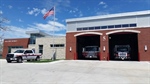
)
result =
(37, 32)
(137, 13)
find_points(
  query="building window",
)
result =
(79, 29)
(57, 45)
(125, 25)
(91, 28)
(86, 28)
(33, 38)
(97, 27)
(111, 26)
(103, 27)
(133, 25)
(117, 26)
(41, 49)
(9, 49)
(108, 26)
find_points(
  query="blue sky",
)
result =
(26, 15)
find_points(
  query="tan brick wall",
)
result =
(47, 50)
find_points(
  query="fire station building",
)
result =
(106, 31)
(39, 41)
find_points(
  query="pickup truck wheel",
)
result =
(8, 61)
(28, 60)
(37, 58)
(19, 60)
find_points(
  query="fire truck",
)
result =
(122, 52)
(91, 52)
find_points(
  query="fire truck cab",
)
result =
(122, 52)
(91, 52)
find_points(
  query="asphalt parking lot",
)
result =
(75, 72)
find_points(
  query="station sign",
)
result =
(10, 41)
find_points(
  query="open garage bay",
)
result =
(124, 39)
(87, 40)
(75, 72)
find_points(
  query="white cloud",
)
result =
(28, 8)
(60, 5)
(76, 12)
(15, 32)
(60, 34)
(30, 12)
(20, 20)
(72, 11)
(103, 4)
(76, 9)
(80, 14)
(43, 11)
(34, 11)
(49, 26)
(10, 7)
(1, 12)
(47, 4)
(19, 32)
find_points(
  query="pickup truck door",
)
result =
(29, 54)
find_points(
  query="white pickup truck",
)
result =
(23, 54)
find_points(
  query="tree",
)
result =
(2, 29)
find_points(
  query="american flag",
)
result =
(50, 12)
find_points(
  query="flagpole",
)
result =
(53, 58)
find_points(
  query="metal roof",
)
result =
(146, 12)
(37, 32)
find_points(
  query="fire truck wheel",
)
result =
(19, 60)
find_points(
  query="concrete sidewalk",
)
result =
(75, 72)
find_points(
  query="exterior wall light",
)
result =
(70, 49)
(104, 48)
(145, 47)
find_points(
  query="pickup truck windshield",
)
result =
(91, 49)
(19, 51)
